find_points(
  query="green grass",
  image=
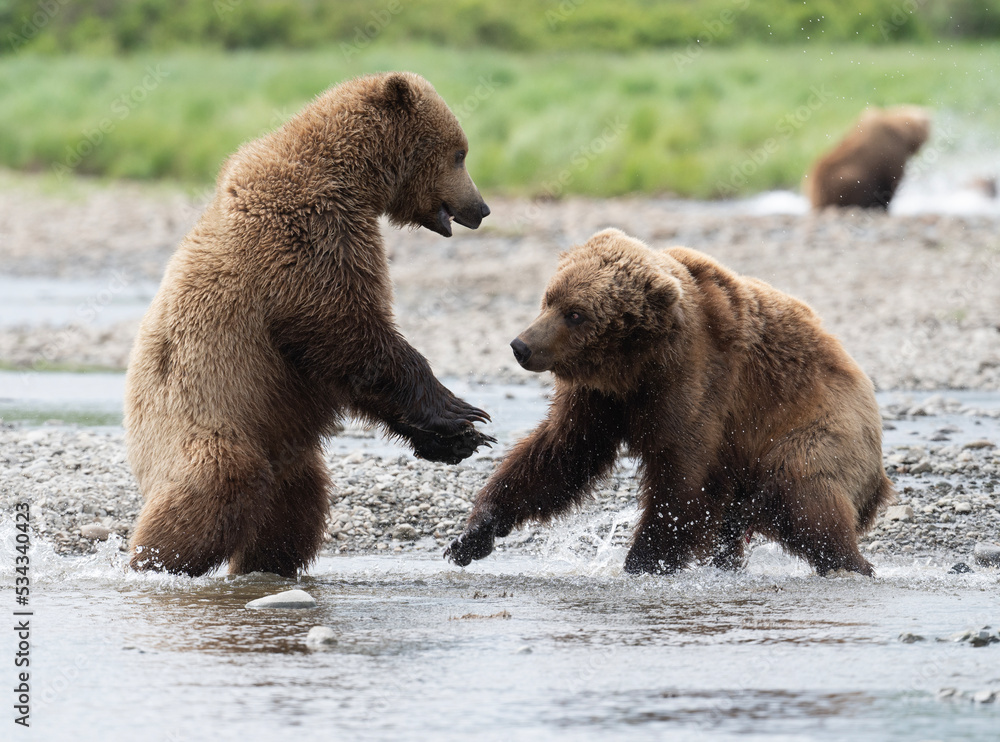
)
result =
(515, 25)
(592, 123)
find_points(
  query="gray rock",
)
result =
(987, 554)
(975, 637)
(979, 444)
(946, 693)
(321, 637)
(95, 532)
(907, 638)
(524, 650)
(922, 468)
(899, 512)
(287, 599)
(404, 532)
(984, 696)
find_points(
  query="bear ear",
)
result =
(663, 293)
(397, 93)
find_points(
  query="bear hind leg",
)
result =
(816, 522)
(293, 522)
(193, 525)
(185, 532)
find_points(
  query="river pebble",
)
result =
(286, 599)
(321, 637)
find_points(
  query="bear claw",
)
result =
(475, 543)
(452, 449)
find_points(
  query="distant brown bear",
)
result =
(274, 319)
(745, 415)
(866, 167)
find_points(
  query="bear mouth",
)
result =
(442, 221)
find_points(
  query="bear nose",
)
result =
(484, 210)
(521, 351)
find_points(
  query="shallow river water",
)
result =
(514, 647)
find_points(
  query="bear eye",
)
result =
(574, 318)
(460, 157)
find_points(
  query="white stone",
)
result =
(963, 507)
(287, 599)
(321, 637)
(899, 512)
(95, 532)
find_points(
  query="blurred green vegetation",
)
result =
(57, 26)
(705, 123)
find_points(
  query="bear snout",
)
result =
(521, 351)
(472, 215)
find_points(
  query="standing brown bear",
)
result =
(274, 319)
(865, 168)
(745, 415)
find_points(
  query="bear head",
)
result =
(607, 310)
(910, 125)
(434, 186)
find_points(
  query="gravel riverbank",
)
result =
(915, 299)
(81, 491)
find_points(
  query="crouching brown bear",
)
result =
(274, 319)
(866, 167)
(745, 415)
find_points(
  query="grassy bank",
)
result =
(700, 121)
(57, 26)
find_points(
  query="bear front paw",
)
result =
(637, 563)
(475, 543)
(451, 449)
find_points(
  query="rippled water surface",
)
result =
(515, 647)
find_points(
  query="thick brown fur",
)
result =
(865, 168)
(274, 319)
(744, 414)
